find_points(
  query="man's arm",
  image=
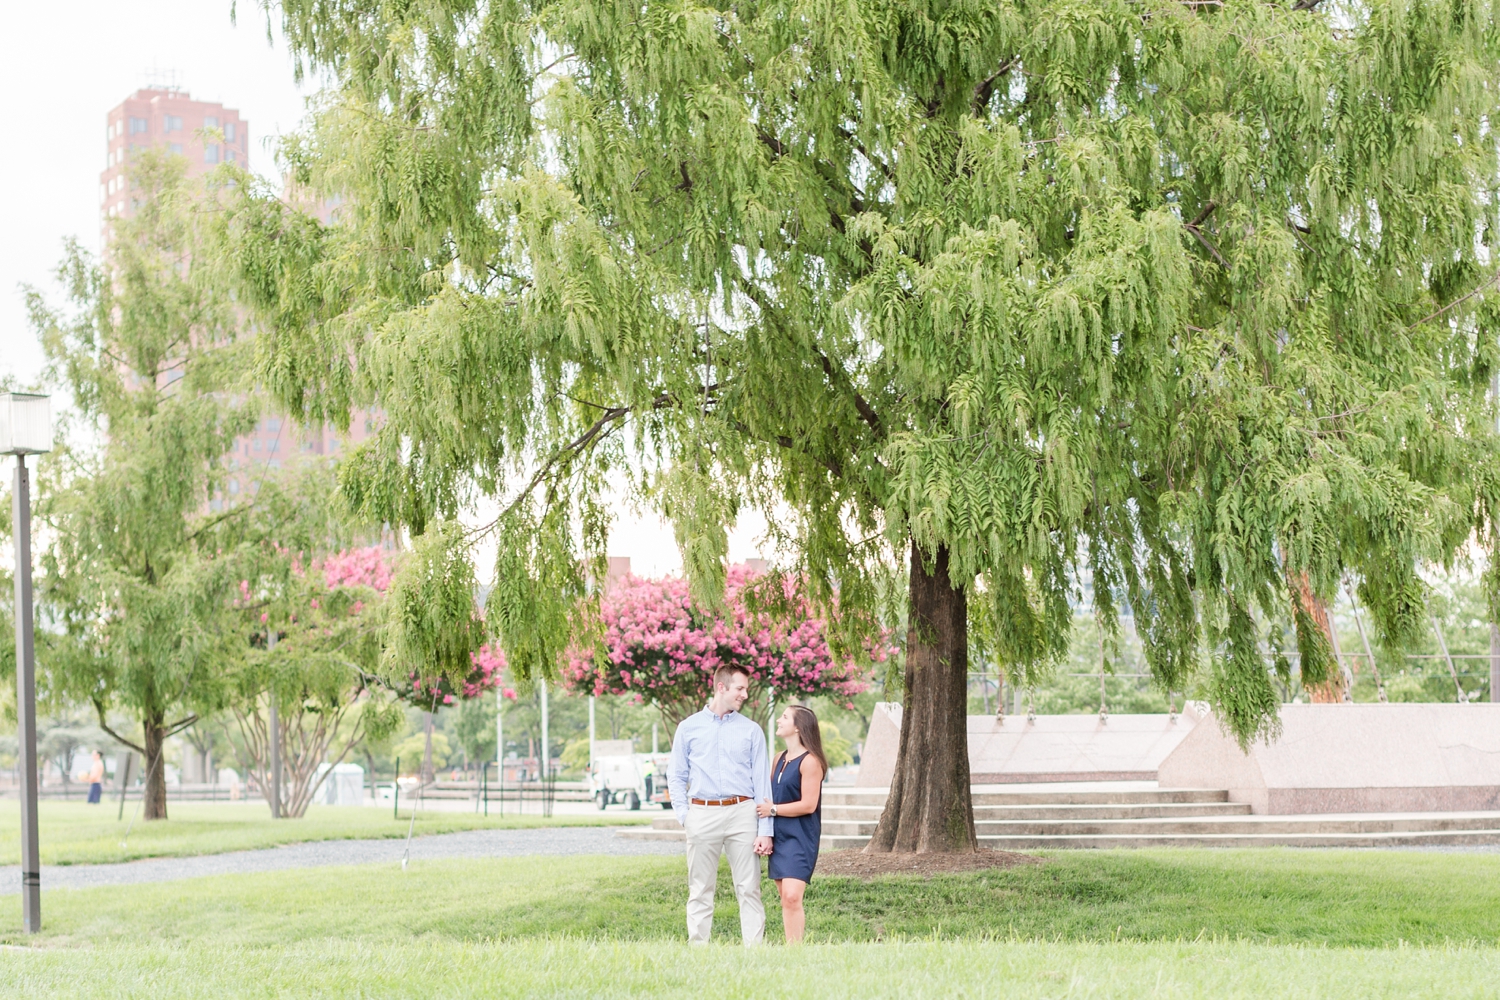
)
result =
(677, 773)
(760, 776)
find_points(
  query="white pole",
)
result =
(653, 739)
(545, 757)
(499, 727)
(771, 722)
(591, 732)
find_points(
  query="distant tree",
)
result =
(135, 567)
(1190, 302)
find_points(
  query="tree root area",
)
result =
(857, 864)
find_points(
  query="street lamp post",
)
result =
(26, 429)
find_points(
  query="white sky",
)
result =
(66, 66)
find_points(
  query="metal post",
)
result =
(1463, 699)
(275, 739)
(31, 857)
(1338, 656)
(1369, 655)
(653, 739)
(591, 733)
(125, 783)
(396, 793)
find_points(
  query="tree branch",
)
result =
(986, 87)
(786, 442)
(1193, 227)
(866, 411)
(176, 727)
(105, 726)
(1458, 301)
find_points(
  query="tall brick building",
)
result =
(166, 116)
(206, 134)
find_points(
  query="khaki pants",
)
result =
(712, 831)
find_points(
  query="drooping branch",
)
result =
(1195, 227)
(866, 411)
(104, 725)
(985, 89)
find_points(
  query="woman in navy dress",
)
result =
(797, 805)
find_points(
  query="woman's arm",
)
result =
(812, 788)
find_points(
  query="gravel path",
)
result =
(468, 844)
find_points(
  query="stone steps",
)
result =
(1144, 810)
(1134, 815)
(1075, 794)
(1259, 826)
(1459, 838)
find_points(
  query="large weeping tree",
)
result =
(1189, 303)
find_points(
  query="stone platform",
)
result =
(1399, 758)
(1047, 748)
(1339, 776)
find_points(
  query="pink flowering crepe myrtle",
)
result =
(369, 569)
(657, 646)
(488, 665)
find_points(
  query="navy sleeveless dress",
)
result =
(796, 838)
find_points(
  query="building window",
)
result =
(229, 131)
(210, 122)
(210, 154)
(173, 123)
(175, 148)
(138, 125)
(229, 155)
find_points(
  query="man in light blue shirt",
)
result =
(719, 770)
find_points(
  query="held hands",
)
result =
(763, 846)
(763, 808)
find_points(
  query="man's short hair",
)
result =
(728, 670)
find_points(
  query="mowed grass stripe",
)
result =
(911, 971)
(1340, 899)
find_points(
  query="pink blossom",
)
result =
(655, 640)
(367, 567)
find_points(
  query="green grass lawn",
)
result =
(76, 833)
(1086, 924)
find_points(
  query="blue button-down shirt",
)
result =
(718, 757)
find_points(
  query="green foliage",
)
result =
(138, 572)
(433, 625)
(471, 723)
(1183, 302)
(410, 752)
(835, 747)
(575, 757)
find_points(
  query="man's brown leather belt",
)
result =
(731, 801)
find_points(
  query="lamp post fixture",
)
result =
(26, 429)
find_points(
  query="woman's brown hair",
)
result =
(806, 722)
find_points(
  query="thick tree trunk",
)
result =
(154, 794)
(929, 808)
(1333, 690)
